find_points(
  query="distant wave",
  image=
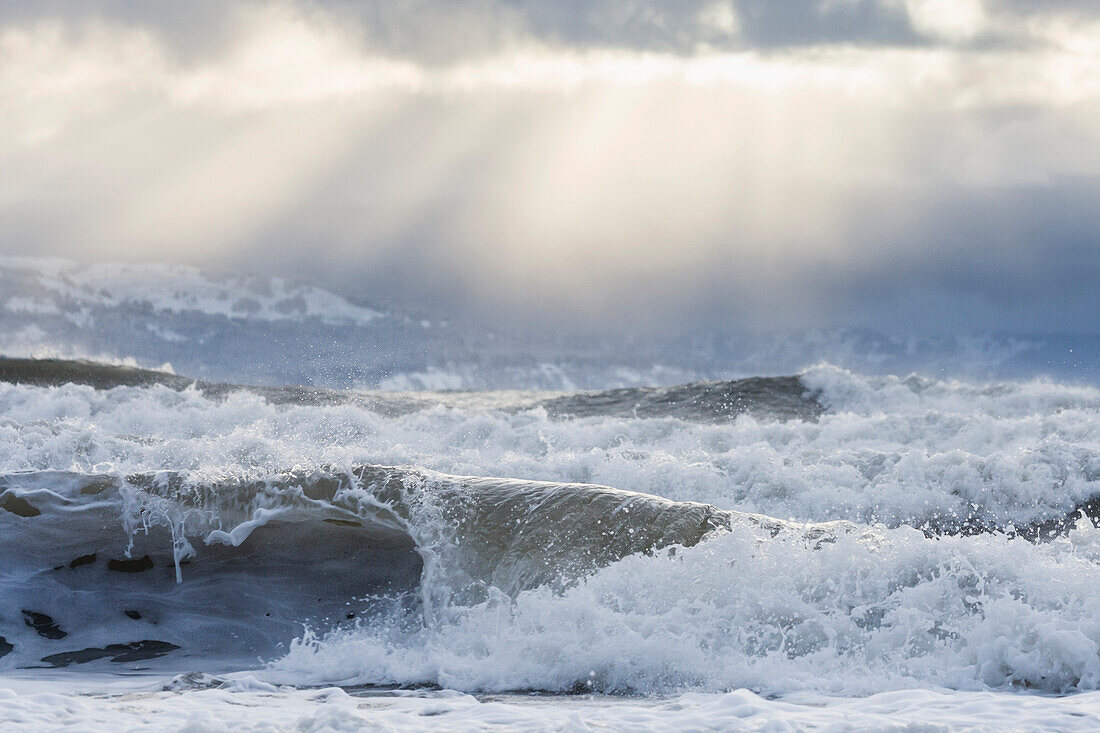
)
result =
(781, 397)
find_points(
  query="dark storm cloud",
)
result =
(684, 26)
(435, 31)
(1004, 258)
(1081, 8)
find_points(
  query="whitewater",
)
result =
(900, 549)
(832, 548)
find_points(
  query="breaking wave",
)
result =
(406, 572)
(160, 548)
(932, 533)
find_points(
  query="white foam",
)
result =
(1012, 453)
(885, 610)
(209, 710)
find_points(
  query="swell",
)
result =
(784, 397)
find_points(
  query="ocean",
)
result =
(551, 539)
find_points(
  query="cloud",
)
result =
(431, 31)
(780, 162)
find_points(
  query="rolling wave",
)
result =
(126, 568)
(98, 558)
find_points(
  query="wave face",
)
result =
(108, 565)
(931, 535)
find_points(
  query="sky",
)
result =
(902, 165)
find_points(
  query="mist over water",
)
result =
(246, 328)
